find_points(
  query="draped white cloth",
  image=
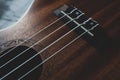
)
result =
(11, 11)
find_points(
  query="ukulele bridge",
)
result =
(95, 35)
(77, 18)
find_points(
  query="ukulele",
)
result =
(63, 40)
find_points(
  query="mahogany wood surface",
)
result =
(79, 61)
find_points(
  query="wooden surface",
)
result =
(79, 61)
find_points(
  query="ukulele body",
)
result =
(80, 60)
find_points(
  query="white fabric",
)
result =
(12, 10)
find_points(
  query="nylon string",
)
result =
(56, 52)
(40, 51)
(63, 25)
(37, 43)
(35, 34)
(45, 47)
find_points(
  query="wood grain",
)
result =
(79, 61)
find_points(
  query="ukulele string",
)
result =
(39, 40)
(35, 34)
(47, 59)
(33, 45)
(44, 49)
(31, 37)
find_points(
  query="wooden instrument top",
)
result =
(79, 61)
